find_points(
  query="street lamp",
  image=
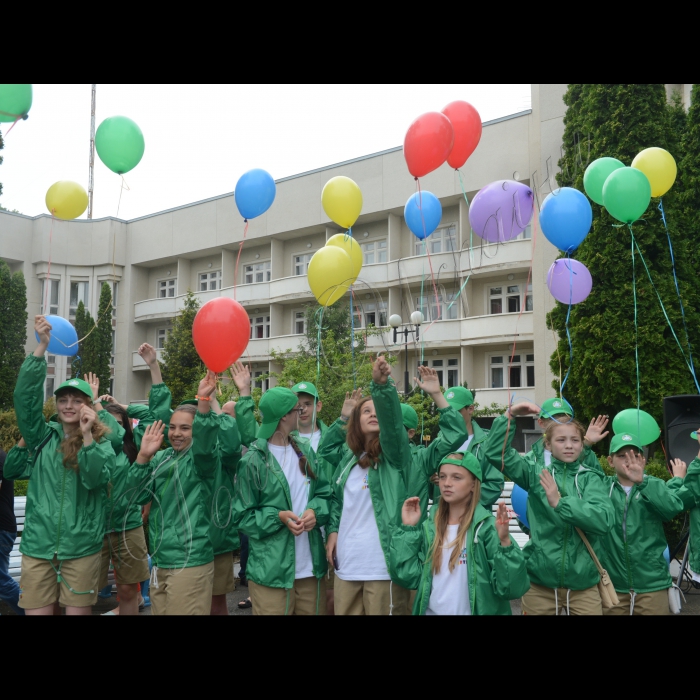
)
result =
(395, 321)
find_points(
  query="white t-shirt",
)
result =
(359, 552)
(449, 594)
(465, 446)
(627, 489)
(315, 438)
(547, 458)
(299, 490)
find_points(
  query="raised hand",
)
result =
(503, 525)
(428, 380)
(634, 466)
(596, 430)
(87, 419)
(550, 488)
(94, 381)
(151, 441)
(241, 378)
(381, 370)
(148, 353)
(208, 385)
(410, 511)
(43, 330)
(679, 468)
(350, 402)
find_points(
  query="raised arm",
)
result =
(392, 434)
(408, 549)
(205, 430)
(18, 463)
(150, 356)
(245, 408)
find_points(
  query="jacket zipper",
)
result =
(566, 538)
(60, 513)
(628, 498)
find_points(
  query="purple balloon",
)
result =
(501, 211)
(569, 281)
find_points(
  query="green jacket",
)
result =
(180, 486)
(145, 418)
(386, 480)
(590, 461)
(633, 551)
(497, 574)
(688, 490)
(556, 556)
(262, 491)
(65, 513)
(122, 512)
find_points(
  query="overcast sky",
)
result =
(201, 138)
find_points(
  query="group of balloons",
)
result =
(438, 137)
(626, 191)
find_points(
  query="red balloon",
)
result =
(466, 123)
(428, 143)
(220, 331)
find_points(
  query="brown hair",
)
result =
(71, 444)
(128, 445)
(441, 521)
(356, 438)
(304, 465)
(549, 431)
(186, 408)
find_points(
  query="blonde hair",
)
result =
(549, 432)
(441, 522)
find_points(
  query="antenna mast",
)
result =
(91, 178)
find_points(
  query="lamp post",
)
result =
(395, 321)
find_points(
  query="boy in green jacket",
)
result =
(65, 510)
(633, 551)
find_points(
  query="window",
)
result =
(301, 263)
(259, 272)
(507, 299)
(260, 327)
(375, 314)
(451, 365)
(166, 288)
(452, 372)
(374, 252)
(52, 301)
(521, 372)
(526, 235)
(442, 240)
(299, 322)
(430, 307)
(261, 384)
(209, 281)
(453, 311)
(78, 292)
(115, 298)
(114, 346)
(49, 388)
(161, 336)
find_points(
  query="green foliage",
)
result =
(13, 330)
(103, 339)
(182, 369)
(2, 145)
(619, 120)
(9, 432)
(86, 357)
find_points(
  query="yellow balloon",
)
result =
(352, 248)
(342, 201)
(66, 199)
(660, 168)
(330, 274)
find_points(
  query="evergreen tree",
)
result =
(103, 339)
(85, 360)
(2, 145)
(619, 120)
(182, 369)
(13, 330)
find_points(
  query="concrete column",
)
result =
(277, 321)
(228, 268)
(276, 259)
(466, 369)
(394, 237)
(183, 277)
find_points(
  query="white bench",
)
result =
(15, 554)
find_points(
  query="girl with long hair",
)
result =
(463, 560)
(69, 472)
(282, 500)
(368, 490)
(562, 497)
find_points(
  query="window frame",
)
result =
(523, 363)
(167, 330)
(72, 310)
(208, 281)
(432, 239)
(524, 295)
(295, 320)
(265, 317)
(253, 272)
(57, 305)
(376, 251)
(174, 286)
(308, 254)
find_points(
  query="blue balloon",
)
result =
(667, 556)
(255, 191)
(64, 339)
(519, 501)
(566, 218)
(422, 226)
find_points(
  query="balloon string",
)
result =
(566, 325)
(678, 293)
(636, 330)
(319, 325)
(47, 283)
(123, 186)
(238, 257)
(668, 321)
(430, 262)
(471, 231)
(352, 340)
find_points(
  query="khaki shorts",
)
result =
(370, 598)
(308, 597)
(127, 552)
(182, 591)
(540, 600)
(655, 603)
(330, 578)
(39, 585)
(223, 574)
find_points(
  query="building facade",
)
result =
(491, 334)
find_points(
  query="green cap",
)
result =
(275, 404)
(458, 397)
(76, 384)
(624, 440)
(554, 407)
(306, 388)
(409, 416)
(469, 462)
(189, 402)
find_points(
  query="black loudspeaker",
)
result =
(681, 418)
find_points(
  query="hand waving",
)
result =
(350, 402)
(596, 430)
(503, 525)
(94, 381)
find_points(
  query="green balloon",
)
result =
(639, 423)
(596, 174)
(120, 144)
(15, 102)
(626, 194)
